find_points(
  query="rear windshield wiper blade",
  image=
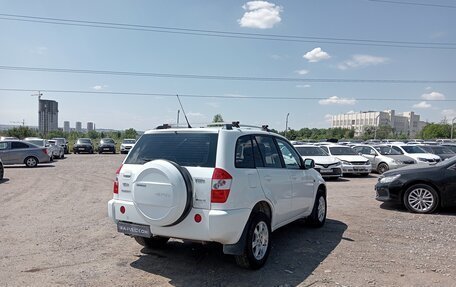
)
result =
(145, 159)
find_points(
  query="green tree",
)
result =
(434, 130)
(217, 119)
(21, 132)
(130, 133)
(93, 134)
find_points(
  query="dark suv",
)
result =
(107, 145)
(83, 145)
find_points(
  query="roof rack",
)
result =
(236, 124)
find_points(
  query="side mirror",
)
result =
(360, 153)
(47, 145)
(309, 163)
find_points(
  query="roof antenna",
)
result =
(185, 115)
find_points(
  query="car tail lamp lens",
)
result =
(198, 218)
(45, 150)
(122, 209)
(221, 185)
(116, 182)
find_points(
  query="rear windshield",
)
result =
(186, 149)
(311, 151)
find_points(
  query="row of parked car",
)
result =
(33, 151)
(336, 160)
(106, 145)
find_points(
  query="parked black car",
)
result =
(107, 145)
(83, 145)
(442, 151)
(421, 188)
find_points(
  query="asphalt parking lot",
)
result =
(55, 231)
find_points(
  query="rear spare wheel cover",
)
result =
(162, 192)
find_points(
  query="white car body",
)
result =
(149, 194)
(420, 157)
(126, 145)
(326, 165)
(351, 163)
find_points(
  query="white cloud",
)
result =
(433, 96)
(260, 14)
(449, 114)
(360, 61)
(213, 104)
(303, 86)
(302, 72)
(316, 55)
(335, 100)
(422, 105)
(99, 87)
(41, 50)
(328, 118)
(351, 112)
(428, 88)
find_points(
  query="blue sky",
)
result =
(73, 47)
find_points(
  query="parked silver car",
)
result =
(58, 150)
(383, 157)
(53, 150)
(20, 152)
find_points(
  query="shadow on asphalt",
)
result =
(23, 166)
(401, 208)
(297, 251)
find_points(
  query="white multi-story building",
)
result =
(66, 126)
(407, 123)
(90, 126)
(78, 127)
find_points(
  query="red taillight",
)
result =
(45, 150)
(220, 185)
(198, 218)
(116, 182)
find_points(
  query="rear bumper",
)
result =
(223, 226)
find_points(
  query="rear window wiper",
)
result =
(145, 159)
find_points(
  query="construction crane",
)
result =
(37, 95)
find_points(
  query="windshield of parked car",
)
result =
(335, 150)
(129, 141)
(442, 150)
(386, 150)
(412, 149)
(107, 141)
(84, 141)
(36, 142)
(311, 151)
(186, 149)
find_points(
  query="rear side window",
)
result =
(186, 149)
(244, 153)
(17, 145)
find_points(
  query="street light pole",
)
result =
(286, 125)
(452, 126)
(376, 126)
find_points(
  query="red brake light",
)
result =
(45, 150)
(220, 185)
(116, 182)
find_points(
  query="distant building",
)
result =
(79, 127)
(66, 126)
(90, 126)
(48, 116)
(407, 123)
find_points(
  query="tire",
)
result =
(62, 155)
(318, 216)
(382, 168)
(421, 198)
(31, 161)
(2, 171)
(259, 233)
(153, 242)
(114, 151)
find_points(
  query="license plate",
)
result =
(106, 148)
(326, 170)
(81, 148)
(133, 229)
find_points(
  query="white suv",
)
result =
(229, 184)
